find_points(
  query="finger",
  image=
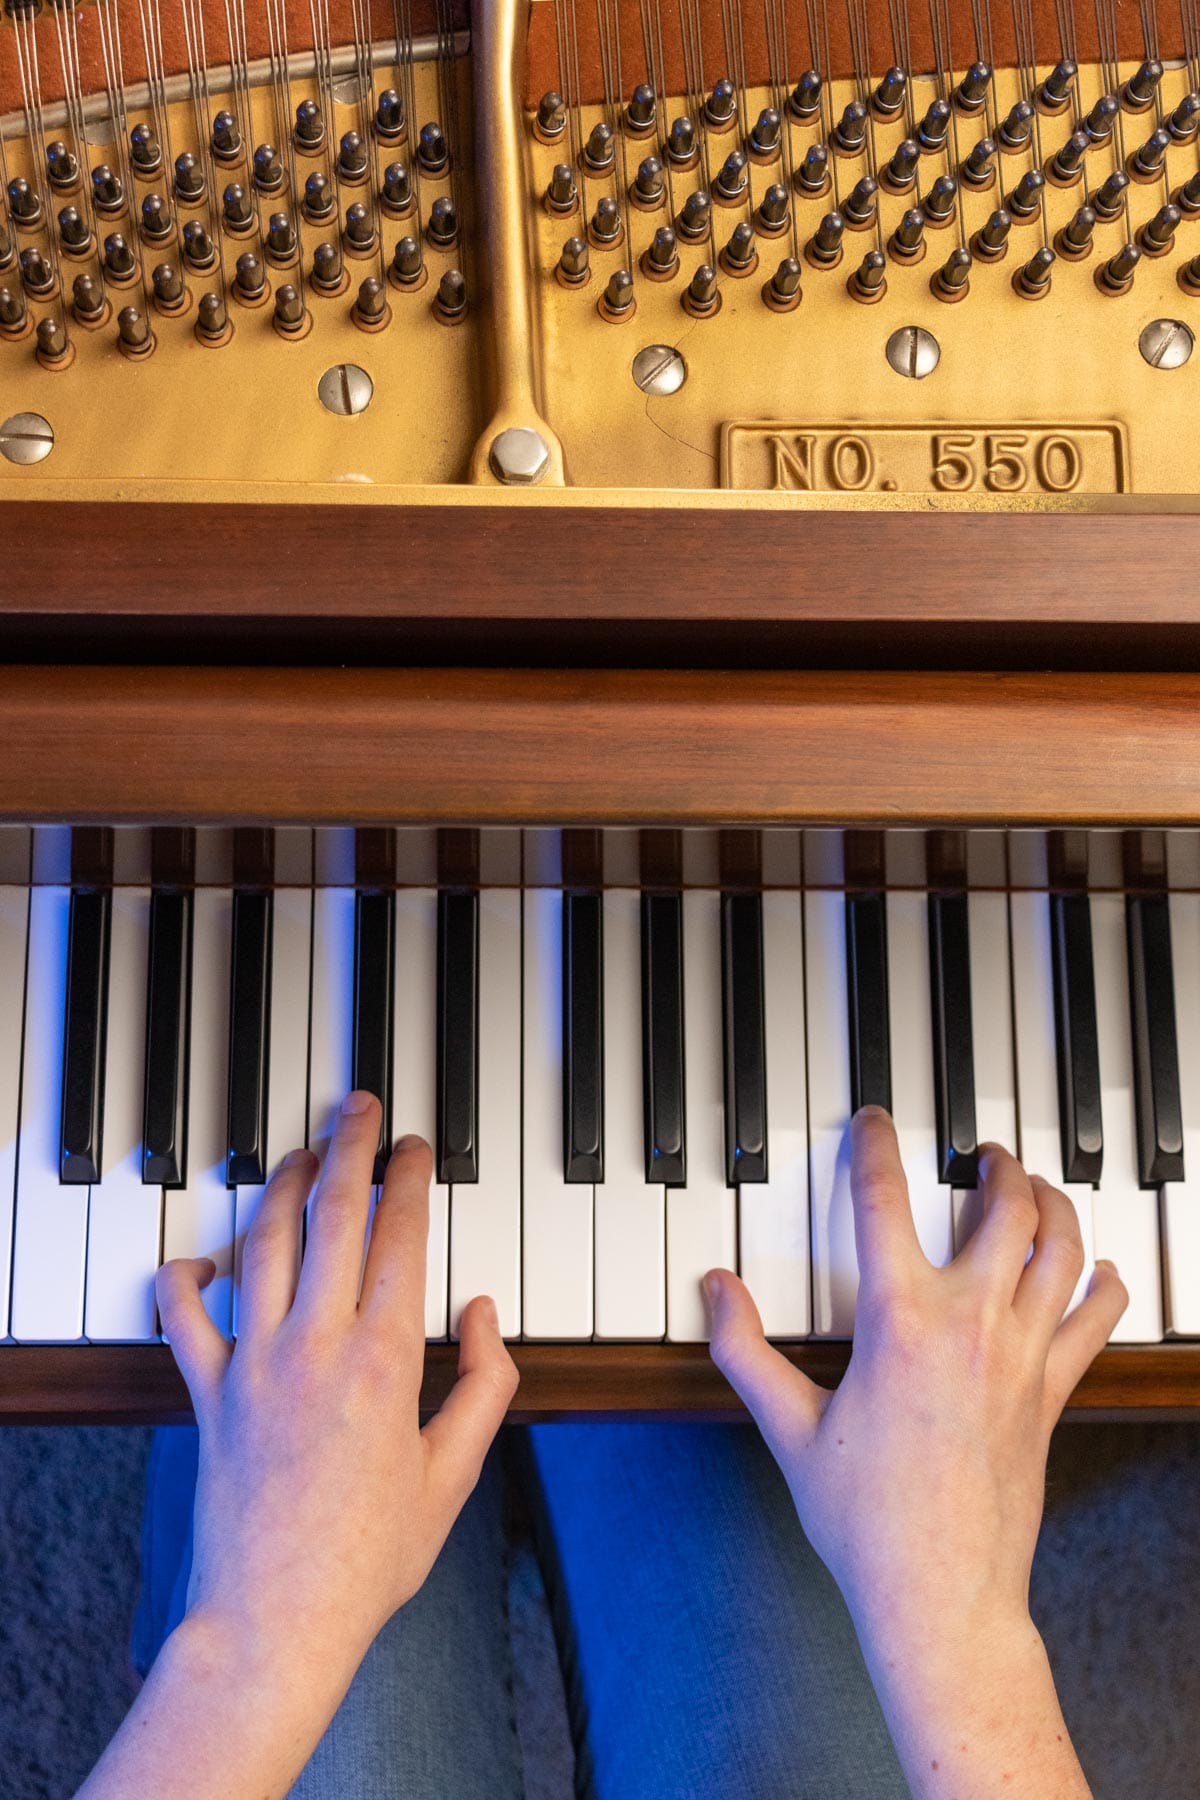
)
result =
(1081, 1337)
(198, 1347)
(884, 1234)
(333, 1256)
(393, 1285)
(785, 1405)
(1052, 1274)
(271, 1253)
(998, 1250)
(459, 1436)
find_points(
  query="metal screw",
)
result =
(1166, 343)
(914, 352)
(658, 369)
(345, 389)
(26, 438)
(519, 456)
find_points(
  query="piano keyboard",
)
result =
(625, 1082)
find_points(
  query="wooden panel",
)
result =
(124, 1384)
(463, 746)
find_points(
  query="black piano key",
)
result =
(664, 1105)
(1078, 1049)
(85, 1030)
(168, 1034)
(458, 1036)
(1155, 1049)
(583, 1038)
(374, 957)
(249, 1039)
(953, 1049)
(743, 1009)
(867, 999)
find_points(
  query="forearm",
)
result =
(219, 1718)
(973, 1713)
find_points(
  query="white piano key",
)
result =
(910, 1033)
(198, 1217)
(485, 1216)
(773, 1215)
(14, 939)
(414, 1079)
(556, 1221)
(630, 1212)
(834, 1260)
(1039, 1139)
(287, 1065)
(50, 1232)
(124, 1213)
(701, 1217)
(331, 1016)
(991, 1043)
(1180, 1200)
(1125, 1215)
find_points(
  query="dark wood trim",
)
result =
(391, 746)
(139, 1384)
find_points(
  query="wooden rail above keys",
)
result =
(138, 1384)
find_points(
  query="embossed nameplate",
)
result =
(925, 459)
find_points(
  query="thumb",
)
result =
(459, 1436)
(786, 1406)
(199, 1349)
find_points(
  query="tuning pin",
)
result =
(782, 293)
(371, 311)
(433, 153)
(901, 171)
(1188, 197)
(145, 152)
(198, 250)
(990, 242)
(721, 106)
(107, 193)
(13, 310)
(1184, 122)
(661, 260)
(169, 292)
(268, 169)
(119, 261)
(359, 227)
(953, 279)
(396, 192)
(869, 281)
(934, 127)
(157, 223)
(328, 274)
(450, 301)
(804, 102)
(1157, 235)
(702, 297)
(442, 229)
(53, 346)
(213, 325)
(1146, 163)
(236, 208)
(574, 263)
(226, 140)
(1109, 199)
(765, 135)
(352, 157)
(1139, 91)
(648, 189)
(908, 240)
(250, 278)
(812, 177)
(772, 214)
(740, 255)
(562, 196)
(733, 177)
(824, 247)
(134, 336)
(88, 302)
(1066, 165)
(979, 168)
(189, 179)
(617, 301)
(1055, 91)
(605, 226)
(1032, 281)
(1026, 197)
(74, 231)
(318, 197)
(1074, 241)
(972, 90)
(281, 237)
(1100, 121)
(1116, 275)
(600, 151)
(642, 109)
(289, 317)
(37, 277)
(551, 120)
(23, 203)
(850, 132)
(61, 166)
(681, 141)
(1017, 129)
(939, 203)
(408, 267)
(861, 203)
(309, 130)
(888, 97)
(695, 220)
(389, 116)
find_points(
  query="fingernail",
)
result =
(712, 1288)
(1102, 1262)
(297, 1159)
(488, 1308)
(357, 1102)
(412, 1141)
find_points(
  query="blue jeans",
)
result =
(706, 1652)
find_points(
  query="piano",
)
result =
(523, 591)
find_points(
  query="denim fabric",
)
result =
(706, 1650)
